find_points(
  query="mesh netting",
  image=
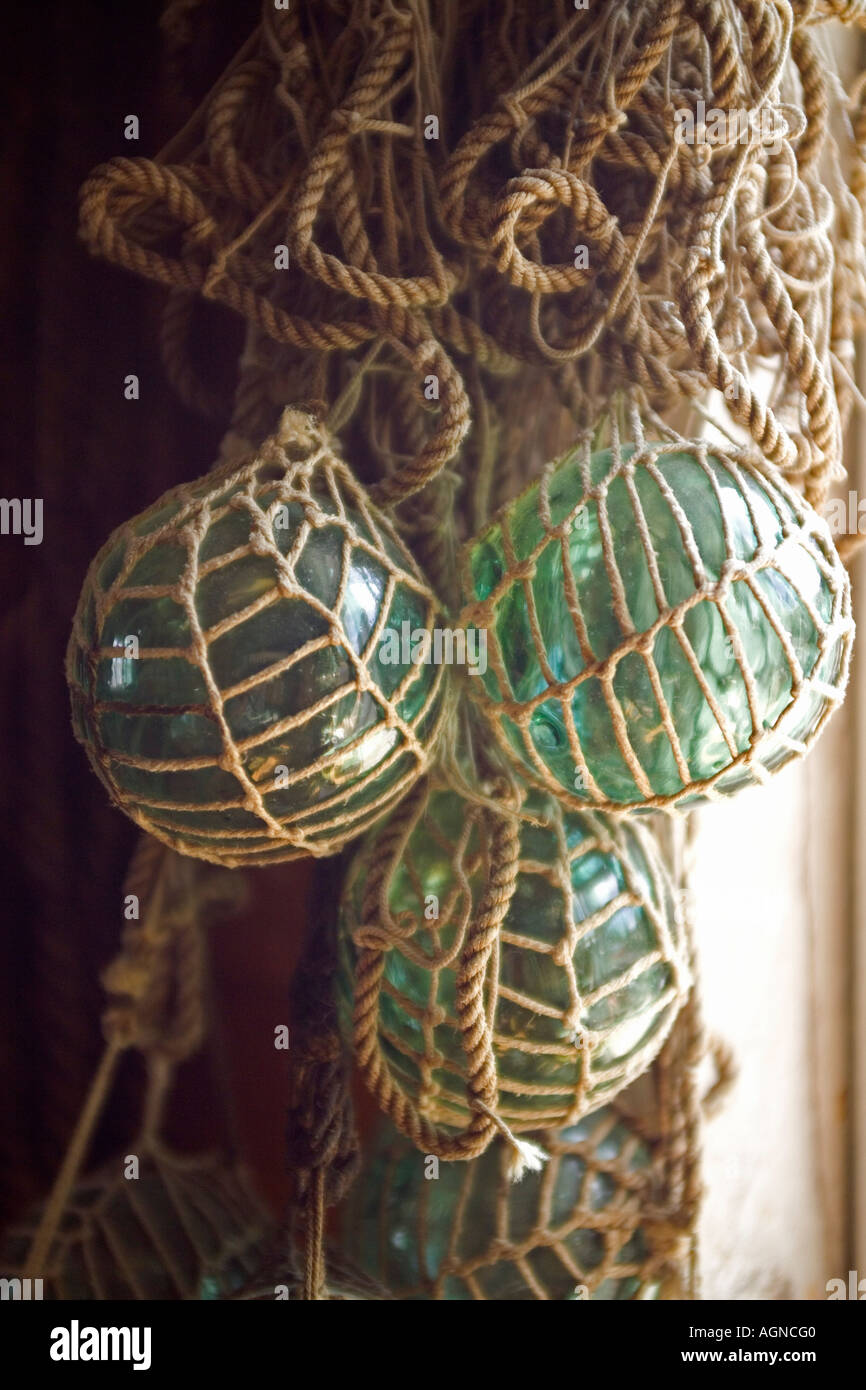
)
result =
(227, 671)
(528, 966)
(185, 1228)
(709, 253)
(587, 1226)
(665, 622)
(612, 1213)
(450, 263)
(280, 1279)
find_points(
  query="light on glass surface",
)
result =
(250, 717)
(574, 1231)
(658, 622)
(586, 979)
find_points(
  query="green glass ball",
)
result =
(185, 1229)
(226, 665)
(588, 974)
(704, 653)
(464, 1230)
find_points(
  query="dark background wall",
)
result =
(72, 328)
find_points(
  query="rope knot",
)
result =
(514, 108)
(524, 569)
(561, 953)
(574, 1026)
(299, 427)
(607, 121)
(349, 119)
(498, 1249)
(259, 539)
(426, 354)
(613, 120)
(370, 936)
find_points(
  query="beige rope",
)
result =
(145, 1011)
(296, 470)
(477, 951)
(385, 245)
(746, 756)
(454, 260)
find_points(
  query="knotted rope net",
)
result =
(666, 622)
(663, 196)
(178, 1228)
(253, 720)
(510, 972)
(457, 263)
(611, 1214)
(586, 1227)
(281, 1276)
(168, 1225)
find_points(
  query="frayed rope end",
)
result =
(525, 1157)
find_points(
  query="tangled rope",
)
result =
(540, 208)
(457, 263)
(322, 1145)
